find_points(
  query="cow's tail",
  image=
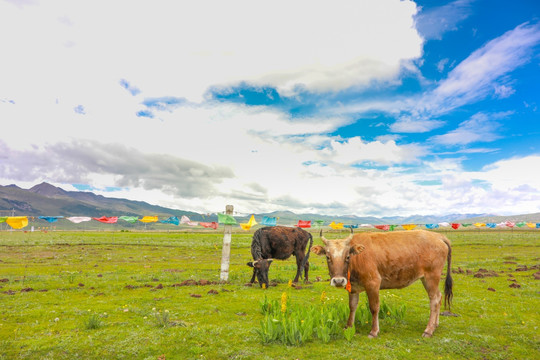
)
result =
(307, 254)
(448, 283)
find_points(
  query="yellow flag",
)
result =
(248, 225)
(337, 226)
(17, 222)
(409, 226)
(480, 224)
(532, 225)
(149, 219)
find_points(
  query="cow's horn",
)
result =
(350, 237)
(255, 262)
(324, 240)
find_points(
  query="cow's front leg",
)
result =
(253, 277)
(373, 297)
(353, 304)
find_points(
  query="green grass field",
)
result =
(122, 295)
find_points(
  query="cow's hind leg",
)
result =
(299, 259)
(306, 271)
(431, 284)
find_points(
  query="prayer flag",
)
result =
(185, 220)
(269, 221)
(409, 226)
(50, 219)
(225, 219)
(248, 225)
(480, 224)
(130, 219)
(107, 220)
(335, 226)
(351, 226)
(304, 224)
(149, 219)
(531, 225)
(382, 227)
(455, 226)
(17, 222)
(432, 226)
(520, 224)
(510, 224)
(171, 220)
(79, 219)
(444, 224)
(491, 225)
(213, 224)
(318, 223)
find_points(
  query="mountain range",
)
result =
(47, 200)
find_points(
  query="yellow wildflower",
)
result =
(323, 296)
(284, 302)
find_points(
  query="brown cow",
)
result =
(373, 261)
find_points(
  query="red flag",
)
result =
(382, 227)
(304, 224)
(455, 226)
(213, 224)
(107, 220)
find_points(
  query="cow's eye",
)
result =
(348, 258)
(328, 258)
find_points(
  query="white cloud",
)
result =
(433, 23)
(182, 48)
(478, 75)
(479, 128)
(356, 151)
(484, 73)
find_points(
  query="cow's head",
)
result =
(261, 267)
(338, 254)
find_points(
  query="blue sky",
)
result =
(359, 107)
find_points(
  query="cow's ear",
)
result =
(318, 249)
(356, 249)
(250, 264)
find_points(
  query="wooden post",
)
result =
(226, 251)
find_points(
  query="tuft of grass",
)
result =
(293, 324)
(161, 319)
(93, 321)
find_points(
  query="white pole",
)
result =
(226, 251)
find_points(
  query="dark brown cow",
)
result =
(372, 261)
(279, 242)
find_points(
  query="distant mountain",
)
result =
(47, 200)
(497, 219)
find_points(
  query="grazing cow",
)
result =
(279, 242)
(373, 261)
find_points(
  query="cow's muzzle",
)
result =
(338, 281)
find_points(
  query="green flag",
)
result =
(226, 219)
(129, 219)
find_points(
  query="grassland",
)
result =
(112, 295)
